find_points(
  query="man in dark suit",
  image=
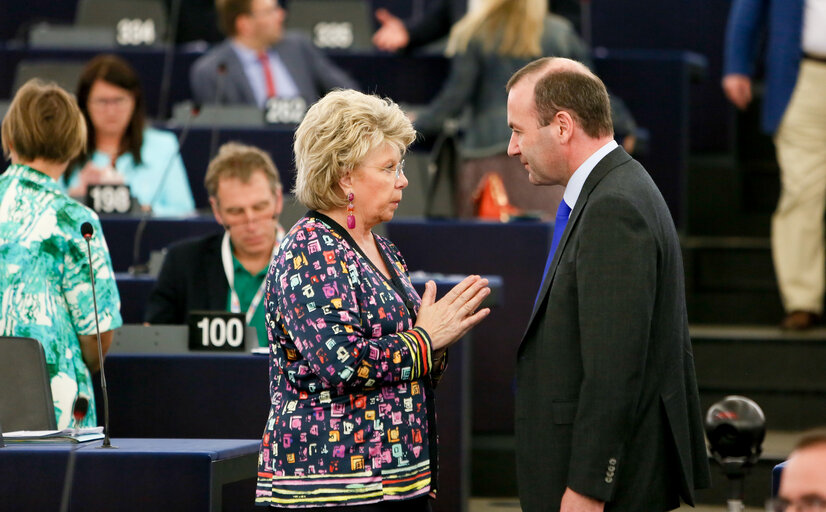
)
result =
(226, 271)
(607, 409)
(259, 60)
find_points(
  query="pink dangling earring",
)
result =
(351, 220)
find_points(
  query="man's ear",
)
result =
(279, 203)
(565, 126)
(213, 203)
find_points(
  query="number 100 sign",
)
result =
(216, 331)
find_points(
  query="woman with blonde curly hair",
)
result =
(354, 351)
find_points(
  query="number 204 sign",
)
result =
(216, 331)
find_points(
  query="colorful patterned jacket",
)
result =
(352, 413)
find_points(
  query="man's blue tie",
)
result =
(562, 214)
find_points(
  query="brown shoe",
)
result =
(799, 320)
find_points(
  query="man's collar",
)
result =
(577, 180)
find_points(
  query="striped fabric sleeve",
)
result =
(419, 342)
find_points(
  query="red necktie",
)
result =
(265, 63)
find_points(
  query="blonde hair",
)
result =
(236, 160)
(43, 121)
(335, 136)
(514, 25)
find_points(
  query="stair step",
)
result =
(782, 371)
(730, 280)
(493, 469)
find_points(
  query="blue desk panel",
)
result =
(175, 475)
(134, 293)
(158, 233)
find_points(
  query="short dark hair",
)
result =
(580, 93)
(811, 438)
(228, 12)
(115, 71)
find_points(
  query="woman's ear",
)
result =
(346, 181)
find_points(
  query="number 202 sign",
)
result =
(216, 331)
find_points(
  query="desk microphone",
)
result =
(79, 411)
(169, 56)
(87, 231)
(220, 82)
(137, 268)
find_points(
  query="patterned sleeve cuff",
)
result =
(418, 341)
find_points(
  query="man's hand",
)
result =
(572, 501)
(392, 35)
(738, 89)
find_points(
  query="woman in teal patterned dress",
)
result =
(45, 291)
(354, 351)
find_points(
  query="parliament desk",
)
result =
(654, 83)
(407, 78)
(157, 233)
(134, 292)
(196, 395)
(174, 475)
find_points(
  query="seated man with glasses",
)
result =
(803, 483)
(226, 271)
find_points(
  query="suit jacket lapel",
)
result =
(292, 60)
(603, 167)
(237, 78)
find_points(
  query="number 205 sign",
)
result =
(216, 331)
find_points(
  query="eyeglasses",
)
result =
(117, 101)
(397, 169)
(810, 503)
(253, 214)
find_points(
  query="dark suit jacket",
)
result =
(314, 74)
(192, 277)
(607, 400)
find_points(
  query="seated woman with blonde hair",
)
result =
(354, 351)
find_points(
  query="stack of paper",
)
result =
(68, 435)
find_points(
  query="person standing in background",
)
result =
(45, 288)
(486, 47)
(794, 113)
(395, 34)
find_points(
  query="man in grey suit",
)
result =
(259, 60)
(607, 409)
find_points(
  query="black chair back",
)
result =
(25, 391)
